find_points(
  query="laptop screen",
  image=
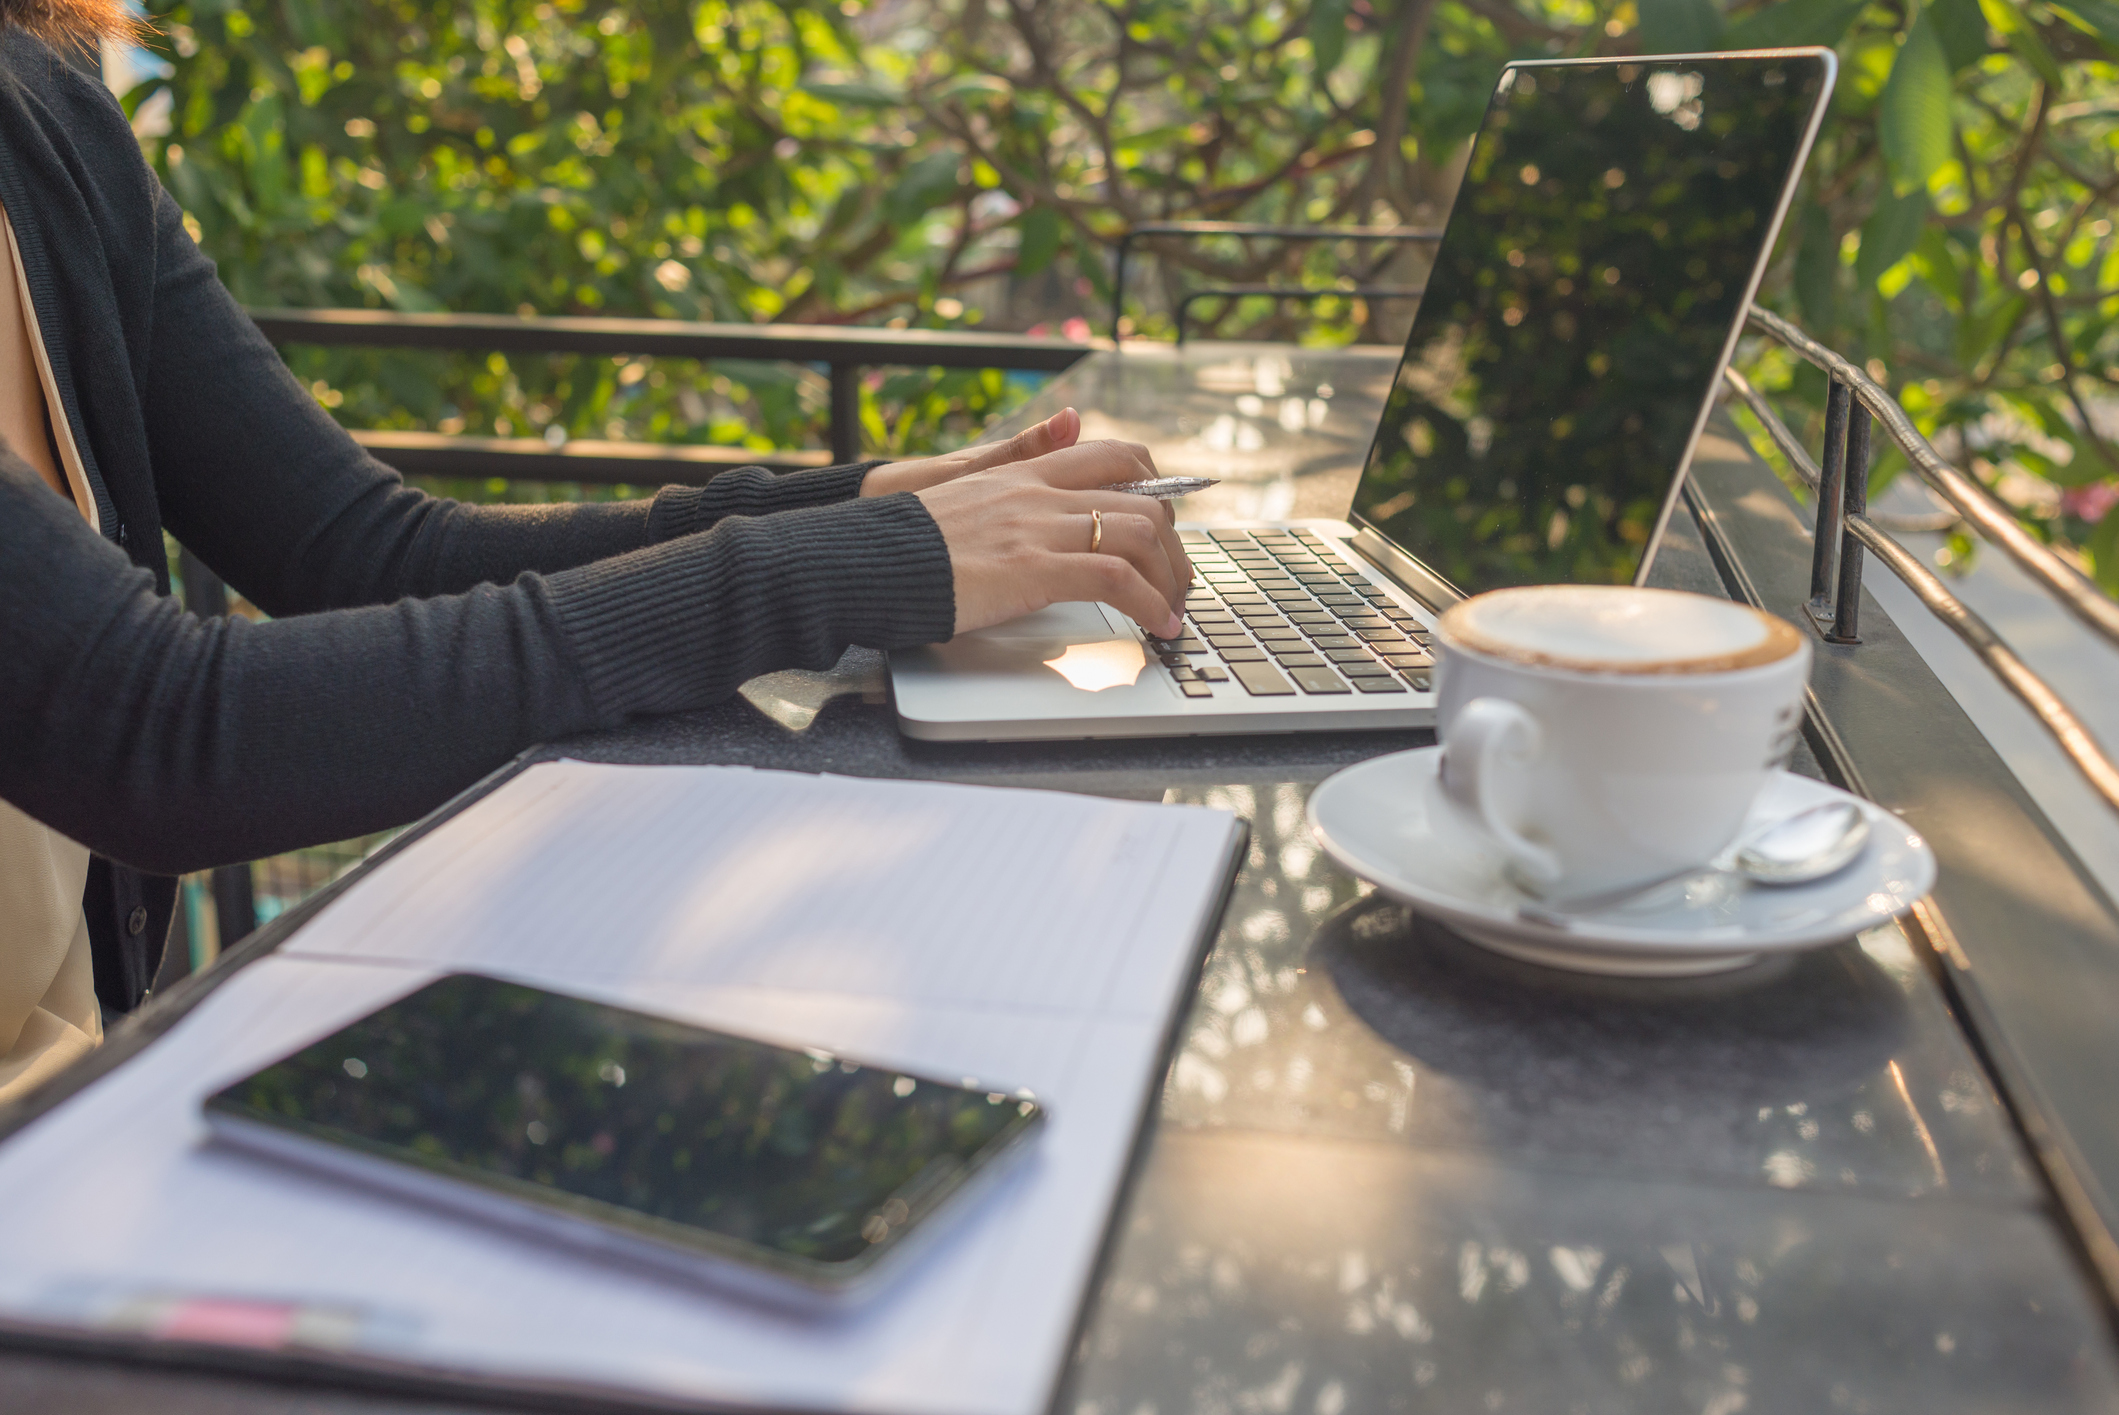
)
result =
(1609, 232)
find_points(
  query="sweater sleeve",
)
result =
(172, 743)
(286, 507)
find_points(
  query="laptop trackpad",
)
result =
(1082, 643)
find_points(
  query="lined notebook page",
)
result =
(914, 891)
(1028, 938)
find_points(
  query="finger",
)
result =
(1138, 538)
(1134, 538)
(1161, 517)
(1054, 434)
(1112, 580)
(1087, 465)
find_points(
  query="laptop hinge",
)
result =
(1404, 571)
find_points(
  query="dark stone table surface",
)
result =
(1395, 1172)
(1392, 1171)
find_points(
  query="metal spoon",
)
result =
(1797, 849)
(1805, 846)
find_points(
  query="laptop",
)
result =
(1614, 221)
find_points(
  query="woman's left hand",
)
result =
(1054, 433)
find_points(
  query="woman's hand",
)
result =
(1054, 433)
(1020, 530)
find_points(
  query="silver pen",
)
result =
(1164, 488)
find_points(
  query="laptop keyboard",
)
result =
(1280, 613)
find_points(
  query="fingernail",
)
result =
(1173, 627)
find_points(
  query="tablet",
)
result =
(786, 1172)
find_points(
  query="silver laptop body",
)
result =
(1613, 224)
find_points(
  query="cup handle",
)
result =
(1489, 736)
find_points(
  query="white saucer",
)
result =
(1387, 821)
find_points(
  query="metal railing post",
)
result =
(2073, 736)
(1854, 502)
(1830, 489)
(845, 412)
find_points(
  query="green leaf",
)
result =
(1328, 34)
(1938, 266)
(1680, 26)
(1979, 333)
(1041, 230)
(854, 95)
(2104, 552)
(2023, 38)
(975, 88)
(2098, 18)
(1914, 112)
(1962, 29)
(1817, 272)
(1793, 22)
(1890, 233)
(925, 185)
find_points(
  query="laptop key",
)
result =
(1354, 655)
(1366, 668)
(1183, 673)
(1261, 680)
(1286, 635)
(1408, 660)
(1397, 615)
(1421, 681)
(1212, 673)
(1196, 690)
(1382, 636)
(1300, 660)
(1173, 660)
(1243, 655)
(1335, 641)
(1379, 685)
(1319, 680)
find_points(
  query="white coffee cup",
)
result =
(1606, 736)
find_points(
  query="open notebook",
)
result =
(1038, 939)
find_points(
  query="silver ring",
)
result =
(1096, 531)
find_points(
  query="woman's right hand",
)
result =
(1019, 538)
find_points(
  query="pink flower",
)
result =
(1076, 329)
(2090, 502)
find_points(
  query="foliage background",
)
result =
(947, 163)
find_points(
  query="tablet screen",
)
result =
(797, 1160)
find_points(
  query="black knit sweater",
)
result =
(415, 643)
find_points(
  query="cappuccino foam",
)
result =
(1618, 629)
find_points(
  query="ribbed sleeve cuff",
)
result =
(683, 624)
(750, 491)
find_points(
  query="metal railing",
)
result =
(1844, 530)
(1282, 292)
(844, 352)
(1418, 235)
